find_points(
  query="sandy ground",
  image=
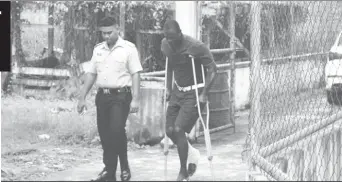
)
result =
(148, 164)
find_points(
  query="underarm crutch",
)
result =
(205, 125)
(166, 139)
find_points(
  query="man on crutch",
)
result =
(182, 112)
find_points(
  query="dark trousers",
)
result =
(182, 110)
(112, 113)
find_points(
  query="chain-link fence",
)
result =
(295, 119)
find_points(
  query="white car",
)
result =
(333, 73)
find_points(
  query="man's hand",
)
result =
(134, 106)
(81, 106)
(168, 95)
(203, 98)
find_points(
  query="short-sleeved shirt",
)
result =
(114, 67)
(180, 62)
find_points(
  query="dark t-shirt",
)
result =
(180, 62)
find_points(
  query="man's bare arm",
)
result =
(211, 75)
(88, 83)
(169, 77)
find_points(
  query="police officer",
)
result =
(182, 111)
(115, 67)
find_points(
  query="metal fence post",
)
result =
(232, 58)
(255, 78)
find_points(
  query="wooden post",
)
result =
(232, 58)
(199, 20)
(292, 45)
(50, 30)
(81, 46)
(122, 18)
(16, 7)
(272, 44)
(255, 77)
(138, 41)
(207, 33)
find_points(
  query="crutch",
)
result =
(205, 125)
(166, 139)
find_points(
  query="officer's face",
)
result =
(173, 37)
(110, 34)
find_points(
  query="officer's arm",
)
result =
(134, 67)
(90, 77)
(88, 83)
(136, 85)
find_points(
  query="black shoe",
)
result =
(126, 175)
(106, 175)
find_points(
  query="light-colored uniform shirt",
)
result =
(114, 67)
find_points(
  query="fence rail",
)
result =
(246, 64)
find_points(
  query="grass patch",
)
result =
(23, 120)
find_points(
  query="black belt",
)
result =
(114, 90)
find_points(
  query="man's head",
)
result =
(172, 32)
(109, 29)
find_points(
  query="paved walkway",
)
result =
(148, 164)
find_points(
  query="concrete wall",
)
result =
(242, 84)
(147, 126)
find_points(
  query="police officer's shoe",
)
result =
(126, 175)
(106, 175)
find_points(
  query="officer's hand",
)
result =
(81, 106)
(134, 106)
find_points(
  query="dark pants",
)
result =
(182, 110)
(112, 113)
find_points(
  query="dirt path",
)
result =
(148, 164)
